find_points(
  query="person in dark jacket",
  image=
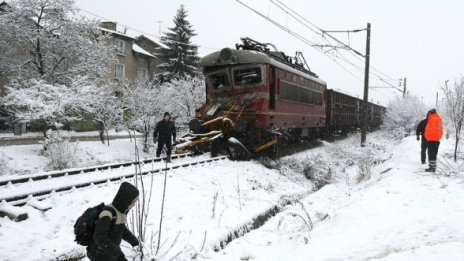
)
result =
(163, 132)
(420, 132)
(111, 227)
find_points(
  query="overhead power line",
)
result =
(319, 31)
(300, 37)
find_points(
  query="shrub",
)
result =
(60, 151)
(4, 168)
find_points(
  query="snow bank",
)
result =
(27, 159)
(402, 214)
(192, 216)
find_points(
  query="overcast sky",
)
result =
(421, 40)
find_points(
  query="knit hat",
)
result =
(127, 193)
(166, 114)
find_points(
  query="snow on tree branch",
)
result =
(183, 96)
(454, 104)
(52, 104)
(47, 39)
(403, 114)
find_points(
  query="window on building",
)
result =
(119, 71)
(142, 74)
(119, 46)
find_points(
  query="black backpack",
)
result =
(85, 224)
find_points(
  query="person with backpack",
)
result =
(162, 134)
(420, 132)
(433, 134)
(111, 229)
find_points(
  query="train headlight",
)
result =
(226, 56)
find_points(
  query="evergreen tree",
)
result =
(181, 56)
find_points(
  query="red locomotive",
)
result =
(258, 99)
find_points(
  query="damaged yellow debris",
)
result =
(266, 145)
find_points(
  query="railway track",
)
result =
(42, 186)
(76, 171)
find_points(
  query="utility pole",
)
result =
(404, 87)
(159, 27)
(366, 87)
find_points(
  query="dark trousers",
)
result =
(423, 150)
(432, 147)
(161, 144)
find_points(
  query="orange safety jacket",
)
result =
(434, 128)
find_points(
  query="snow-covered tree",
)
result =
(454, 104)
(403, 114)
(106, 110)
(183, 96)
(49, 40)
(181, 56)
(50, 104)
(143, 107)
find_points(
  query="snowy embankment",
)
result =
(203, 205)
(400, 213)
(27, 159)
(113, 133)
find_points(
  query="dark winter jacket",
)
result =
(111, 229)
(164, 130)
(421, 129)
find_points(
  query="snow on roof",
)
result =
(155, 40)
(115, 32)
(139, 49)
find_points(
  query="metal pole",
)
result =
(404, 87)
(366, 87)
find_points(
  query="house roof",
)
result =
(155, 41)
(4, 6)
(136, 48)
(116, 33)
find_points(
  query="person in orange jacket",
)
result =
(433, 134)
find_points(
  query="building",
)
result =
(136, 60)
(137, 57)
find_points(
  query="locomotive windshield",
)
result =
(247, 76)
(219, 80)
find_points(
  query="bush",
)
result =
(60, 151)
(314, 168)
(364, 170)
(4, 168)
(317, 171)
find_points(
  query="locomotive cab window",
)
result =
(218, 80)
(248, 76)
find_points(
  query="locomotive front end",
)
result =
(237, 93)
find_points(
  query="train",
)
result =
(258, 100)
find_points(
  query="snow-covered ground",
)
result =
(10, 135)
(26, 159)
(401, 214)
(242, 193)
(398, 213)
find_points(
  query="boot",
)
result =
(432, 166)
(168, 159)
